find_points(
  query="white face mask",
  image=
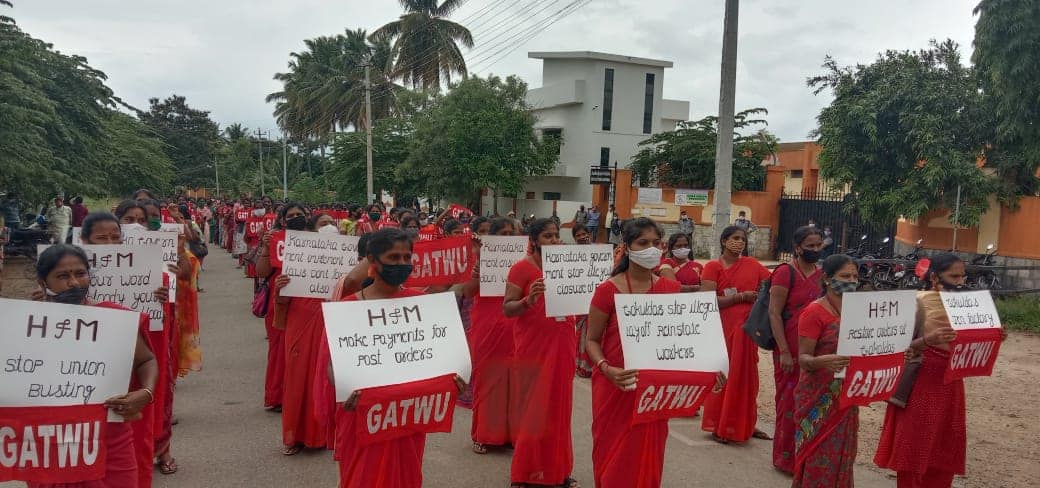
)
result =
(133, 227)
(259, 212)
(328, 229)
(647, 258)
(681, 252)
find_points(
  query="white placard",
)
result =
(45, 364)
(126, 275)
(386, 342)
(497, 255)
(77, 236)
(678, 332)
(314, 261)
(171, 227)
(167, 241)
(239, 245)
(874, 323)
(572, 273)
(650, 195)
(971, 310)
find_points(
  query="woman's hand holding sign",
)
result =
(130, 404)
(622, 378)
(537, 289)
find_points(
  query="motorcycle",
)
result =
(885, 276)
(983, 279)
(24, 241)
(907, 277)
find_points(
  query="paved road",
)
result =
(226, 439)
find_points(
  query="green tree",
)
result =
(191, 137)
(685, 157)
(905, 132)
(1007, 60)
(391, 139)
(480, 135)
(426, 43)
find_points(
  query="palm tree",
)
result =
(426, 43)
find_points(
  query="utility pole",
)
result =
(285, 171)
(724, 144)
(956, 219)
(368, 136)
(216, 169)
(260, 150)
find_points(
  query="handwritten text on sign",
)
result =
(53, 354)
(386, 342)
(974, 316)
(314, 262)
(572, 273)
(167, 241)
(676, 332)
(878, 325)
(497, 255)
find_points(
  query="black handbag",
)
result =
(758, 326)
(198, 248)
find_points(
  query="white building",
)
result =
(603, 105)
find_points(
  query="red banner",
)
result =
(52, 444)
(441, 262)
(242, 215)
(871, 379)
(667, 394)
(973, 353)
(255, 227)
(389, 412)
(456, 211)
(276, 250)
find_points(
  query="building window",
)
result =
(529, 195)
(648, 104)
(604, 156)
(796, 173)
(551, 195)
(608, 97)
(554, 133)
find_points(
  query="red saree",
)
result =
(164, 387)
(491, 350)
(825, 437)
(274, 377)
(303, 330)
(189, 350)
(394, 463)
(803, 292)
(623, 455)
(545, 351)
(732, 414)
(925, 442)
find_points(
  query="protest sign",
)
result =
(254, 227)
(53, 444)
(77, 236)
(690, 197)
(167, 241)
(313, 262)
(974, 316)
(126, 275)
(441, 262)
(572, 273)
(240, 247)
(54, 354)
(876, 330)
(395, 411)
(276, 249)
(456, 211)
(392, 341)
(497, 255)
(676, 342)
(172, 227)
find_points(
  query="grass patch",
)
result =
(1020, 313)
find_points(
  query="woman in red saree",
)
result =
(62, 271)
(825, 436)
(491, 351)
(678, 264)
(624, 455)
(924, 442)
(304, 324)
(545, 351)
(730, 416)
(793, 286)
(397, 462)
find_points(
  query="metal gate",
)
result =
(827, 209)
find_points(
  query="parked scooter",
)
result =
(23, 242)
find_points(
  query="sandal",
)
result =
(761, 435)
(291, 450)
(479, 448)
(570, 483)
(718, 439)
(168, 467)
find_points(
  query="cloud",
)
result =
(222, 54)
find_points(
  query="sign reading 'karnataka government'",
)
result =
(314, 261)
(392, 341)
(572, 273)
(876, 330)
(497, 255)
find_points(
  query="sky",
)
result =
(221, 54)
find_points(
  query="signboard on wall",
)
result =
(649, 195)
(697, 198)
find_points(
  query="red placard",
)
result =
(242, 215)
(666, 394)
(973, 353)
(871, 379)
(276, 251)
(456, 211)
(52, 444)
(255, 227)
(441, 262)
(389, 412)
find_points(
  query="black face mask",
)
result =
(810, 256)
(374, 216)
(952, 287)
(71, 296)
(395, 274)
(298, 222)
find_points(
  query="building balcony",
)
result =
(676, 110)
(558, 95)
